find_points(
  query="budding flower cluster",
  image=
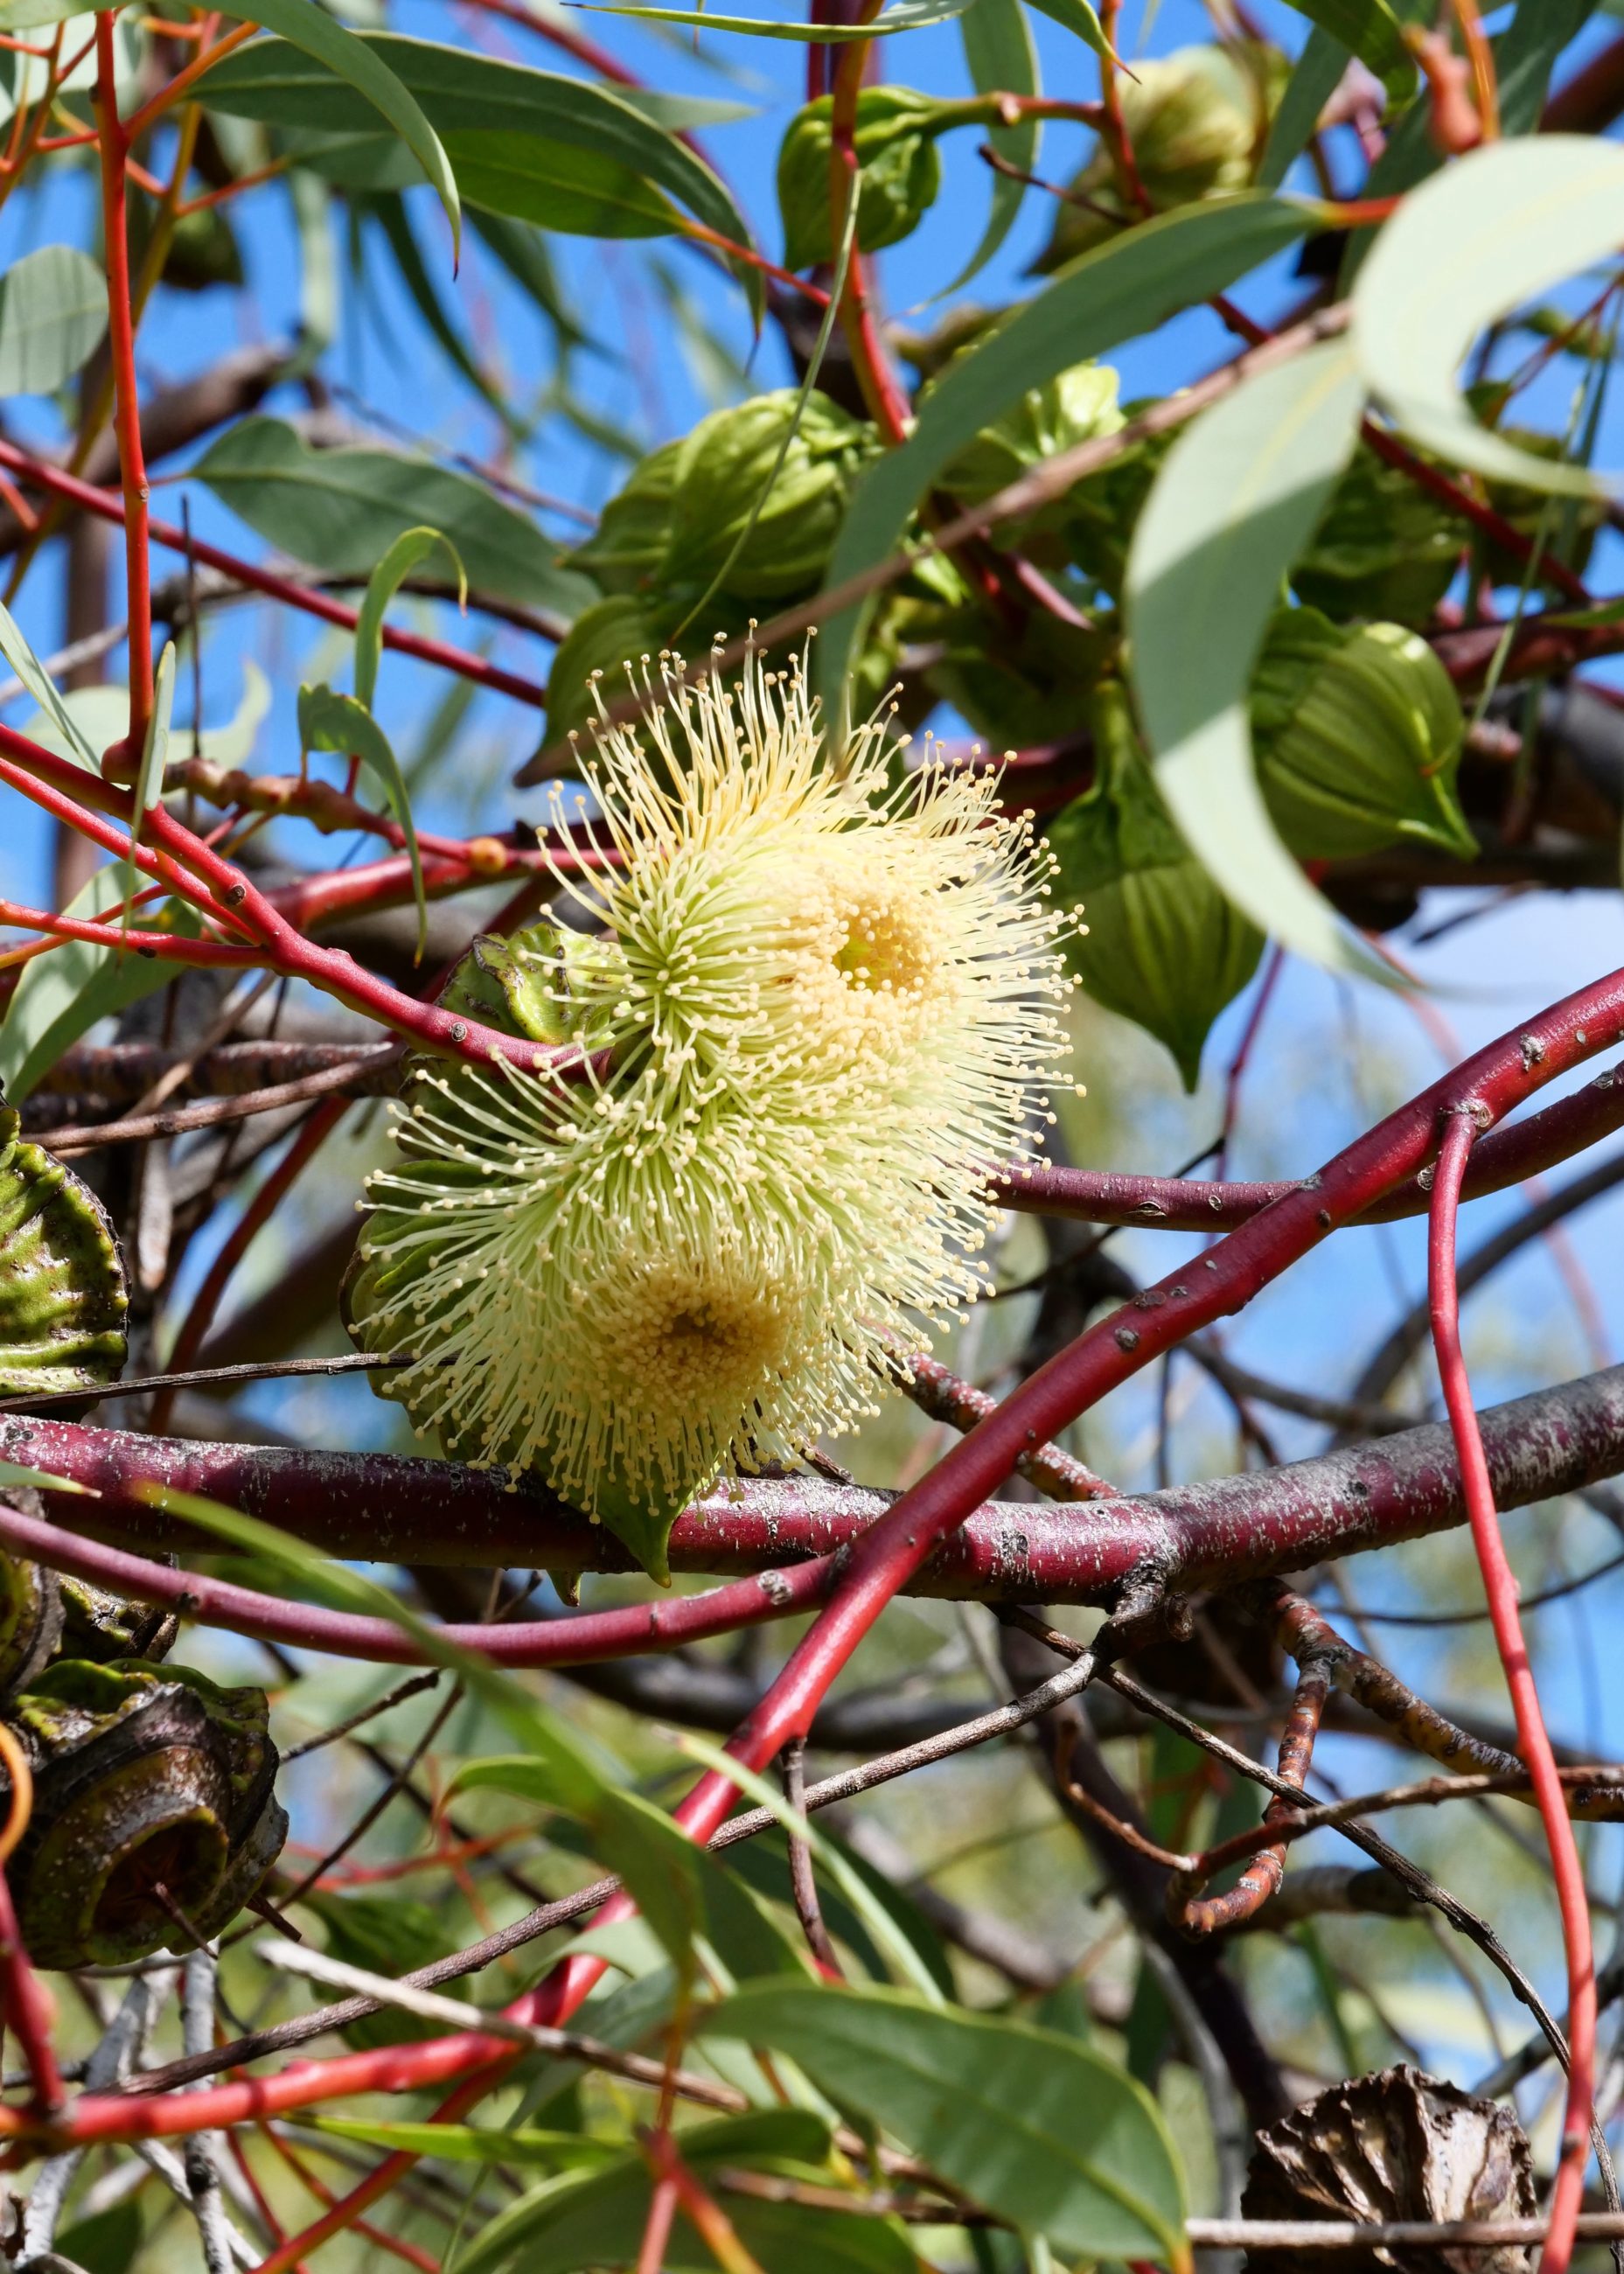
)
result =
(827, 1001)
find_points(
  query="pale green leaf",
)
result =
(53, 314)
(60, 995)
(902, 16)
(37, 680)
(1034, 2127)
(1238, 495)
(1517, 217)
(1129, 286)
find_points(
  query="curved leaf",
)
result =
(1239, 494)
(330, 721)
(357, 63)
(1129, 286)
(902, 16)
(1031, 2126)
(412, 546)
(1517, 217)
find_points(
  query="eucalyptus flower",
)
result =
(820, 1001)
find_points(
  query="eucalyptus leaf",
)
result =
(331, 721)
(412, 548)
(1001, 57)
(61, 995)
(1517, 217)
(1034, 2127)
(341, 510)
(1370, 30)
(902, 16)
(53, 315)
(1237, 497)
(1314, 79)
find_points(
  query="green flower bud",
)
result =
(627, 551)
(722, 472)
(1358, 733)
(612, 632)
(1028, 689)
(62, 1279)
(1385, 548)
(1196, 122)
(1076, 407)
(146, 1779)
(901, 173)
(1163, 944)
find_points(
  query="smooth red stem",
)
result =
(26, 2011)
(115, 145)
(1533, 1742)
(106, 507)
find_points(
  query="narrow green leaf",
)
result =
(1076, 16)
(53, 314)
(341, 510)
(389, 209)
(1314, 79)
(357, 63)
(468, 2143)
(1237, 497)
(902, 16)
(17, 1472)
(1370, 30)
(1001, 57)
(312, 201)
(331, 721)
(155, 752)
(37, 680)
(1031, 2126)
(1130, 286)
(412, 546)
(1517, 217)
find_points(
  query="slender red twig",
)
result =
(1533, 1743)
(115, 145)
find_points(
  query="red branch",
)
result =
(1533, 1742)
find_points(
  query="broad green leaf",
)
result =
(411, 547)
(902, 16)
(596, 2219)
(341, 510)
(53, 313)
(16, 1472)
(518, 137)
(1130, 286)
(1238, 496)
(1314, 79)
(61, 994)
(1370, 30)
(37, 680)
(359, 65)
(331, 721)
(1001, 58)
(1034, 2127)
(468, 2143)
(1517, 217)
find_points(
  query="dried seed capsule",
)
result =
(154, 1804)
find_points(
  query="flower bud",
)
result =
(1076, 407)
(1358, 733)
(1162, 946)
(722, 470)
(62, 1279)
(627, 551)
(604, 637)
(1384, 549)
(1196, 122)
(901, 173)
(153, 1803)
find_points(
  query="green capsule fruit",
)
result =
(603, 639)
(1196, 121)
(1077, 406)
(627, 551)
(725, 474)
(1358, 734)
(1163, 944)
(1383, 549)
(895, 142)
